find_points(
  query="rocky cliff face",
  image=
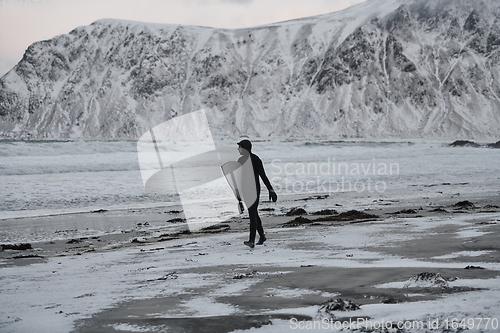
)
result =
(381, 69)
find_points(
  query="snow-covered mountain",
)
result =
(381, 69)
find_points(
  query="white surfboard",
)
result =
(241, 179)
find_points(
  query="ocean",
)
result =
(61, 177)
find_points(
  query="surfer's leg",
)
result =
(260, 230)
(254, 222)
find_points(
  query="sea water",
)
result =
(58, 177)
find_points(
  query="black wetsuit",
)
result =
(258, 170)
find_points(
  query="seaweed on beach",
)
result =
(464, 205)
(327, 308)
(494, 145)
(166, 238)
(17, 247)
(298, 221)
(28, 256)
(329, 218)
(391, 300)
(296, 211)
(176, 220)
(428, 280)
(138, 241)
(351, 215)
(405, 211)
(355, 215)
(248, 275)
(216, 228)
(325, 212)
(439, 210)
(183, 232)
(486, 222)
(464, 143)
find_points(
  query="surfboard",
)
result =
(241, 179)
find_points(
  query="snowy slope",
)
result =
(380, 69)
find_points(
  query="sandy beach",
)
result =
(371, 265)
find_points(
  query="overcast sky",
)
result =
(23, 22)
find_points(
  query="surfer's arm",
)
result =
(272, 194)
(262, 174)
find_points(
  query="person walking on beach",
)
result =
(245, 149)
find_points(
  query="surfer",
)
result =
(245, 149)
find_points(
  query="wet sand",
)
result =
(296, 271)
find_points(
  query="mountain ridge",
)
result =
(380, 69)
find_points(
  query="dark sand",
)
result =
(150, 230)
(355, 284)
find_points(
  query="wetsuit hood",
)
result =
(245, 144)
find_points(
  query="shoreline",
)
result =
(158, 277)
(163, 223)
